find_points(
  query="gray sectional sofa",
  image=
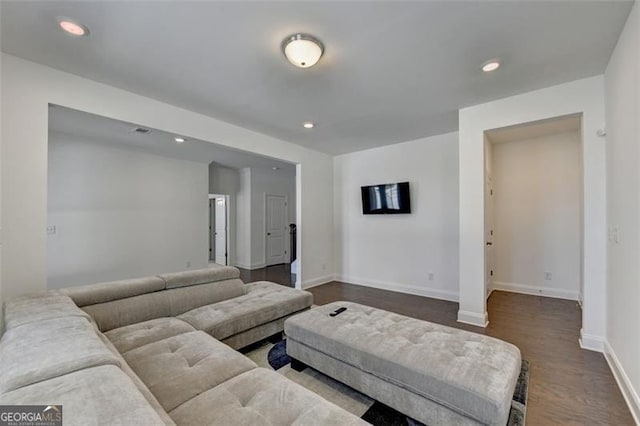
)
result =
(157, 350)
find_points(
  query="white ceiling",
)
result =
(92, 128)
(536, 129)
(392, 71)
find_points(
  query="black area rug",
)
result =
(381, 415)
(278, 357)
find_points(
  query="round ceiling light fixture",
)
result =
(491, 65)
(302, 50)
(179, 139)
(308, 125)
(72, 27)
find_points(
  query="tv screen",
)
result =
(390, 198)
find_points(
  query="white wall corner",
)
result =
(591, 342)
(473, 318)
(628, 392)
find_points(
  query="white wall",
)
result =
(622, 86)
(273, 182)
(224, 180)
(536, 215)
(121, 214)
(584, 96)
(28, 88)
(398, 252)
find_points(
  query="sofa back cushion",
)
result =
(200, 276)
(184, 299)
(121, 312)
(115, 290)
(167, 303)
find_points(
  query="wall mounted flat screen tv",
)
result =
(390, 198)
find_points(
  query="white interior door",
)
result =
(275, 220)
(488, 229)
(221, 231)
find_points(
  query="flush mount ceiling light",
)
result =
(491, 65)
(302, 50)
(179, 139)
(308, 125)
(72, 27)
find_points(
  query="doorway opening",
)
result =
(219, 229)
(534, 208)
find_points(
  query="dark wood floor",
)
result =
(280, 274)
(568, 385)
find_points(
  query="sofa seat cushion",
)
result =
(261, 397)
(95, 396)
(263, 302)
(136, 335)
(180, 367)
(106, 292)
(47, 349)
(469, 373)
(213, 273)
(40, 307)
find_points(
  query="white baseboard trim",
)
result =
(317, 281)
(473, 318)
(535, 291)
(628, 392)
(401, 288)
(591, 342)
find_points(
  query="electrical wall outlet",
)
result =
(548, 276)
(188, 264)
(51, 230)
(430, 276)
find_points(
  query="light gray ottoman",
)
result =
(435, 374)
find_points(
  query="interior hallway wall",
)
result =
(120, 213)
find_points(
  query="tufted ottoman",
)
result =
(432, 373)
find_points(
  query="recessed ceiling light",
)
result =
(308, 125)
(491, 65)
(179, 139)
(72, 27)
(276, 168)
(302, 50)
(142, 130)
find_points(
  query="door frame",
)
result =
(287, 249)
(227, 201)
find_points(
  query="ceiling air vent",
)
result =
(142, 130)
